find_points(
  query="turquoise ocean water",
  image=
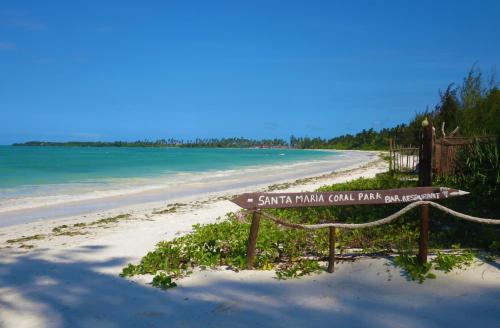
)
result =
(32, 177)
(35, 166)
(38, 183)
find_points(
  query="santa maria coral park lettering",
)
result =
(402, 195)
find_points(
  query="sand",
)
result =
(70, 279)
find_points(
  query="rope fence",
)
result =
(257, 214)
(385, 220)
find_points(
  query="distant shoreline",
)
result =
(163, 143)
(243, 143)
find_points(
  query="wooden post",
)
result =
(331, 258)
(425, 180)
(252, 239)
(424, 234)
(407, 159)
(390, 154)
(400, 159)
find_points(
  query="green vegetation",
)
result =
(59, 229)
(163, 281)
(112, 219)
(65, 230)
(413, 269)
(293, 253)
(171, 209)
(365, 140)
(235, 143)
(478, 171)
(445, 262)
(27, 246)
(25, 238)
(198, 143)
(297, 269)
(448, 262)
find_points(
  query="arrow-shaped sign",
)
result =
(306, 199)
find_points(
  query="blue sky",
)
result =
(107, 70)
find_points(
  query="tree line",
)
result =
(200, 143)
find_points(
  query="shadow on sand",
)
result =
(62, 292)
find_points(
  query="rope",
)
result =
(385, 220)
(464, 216)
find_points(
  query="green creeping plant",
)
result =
(161, 280)
(294, 253)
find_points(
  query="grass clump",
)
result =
(415, 270)
(163, 281)
(170, 209)
(27, 246)
(25, 238)
(297, 269)
(59, 229)
(72, 233)
(458, 260)
(446, 262)
(65, 230)
(112, 219)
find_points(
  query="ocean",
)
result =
(35, 166)
(41, 177)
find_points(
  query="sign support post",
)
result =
(425, 180)
(252, 239)
(331, 257)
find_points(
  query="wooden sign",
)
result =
(252, 201)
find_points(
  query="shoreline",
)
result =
(173, 189)
(147, 211)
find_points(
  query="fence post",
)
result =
(331, 258)
(425, 179)
(390, 154)
(252, 239)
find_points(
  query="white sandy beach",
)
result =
(71, 279)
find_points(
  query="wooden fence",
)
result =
(446, 150)
(403, 159)
(444, 154)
